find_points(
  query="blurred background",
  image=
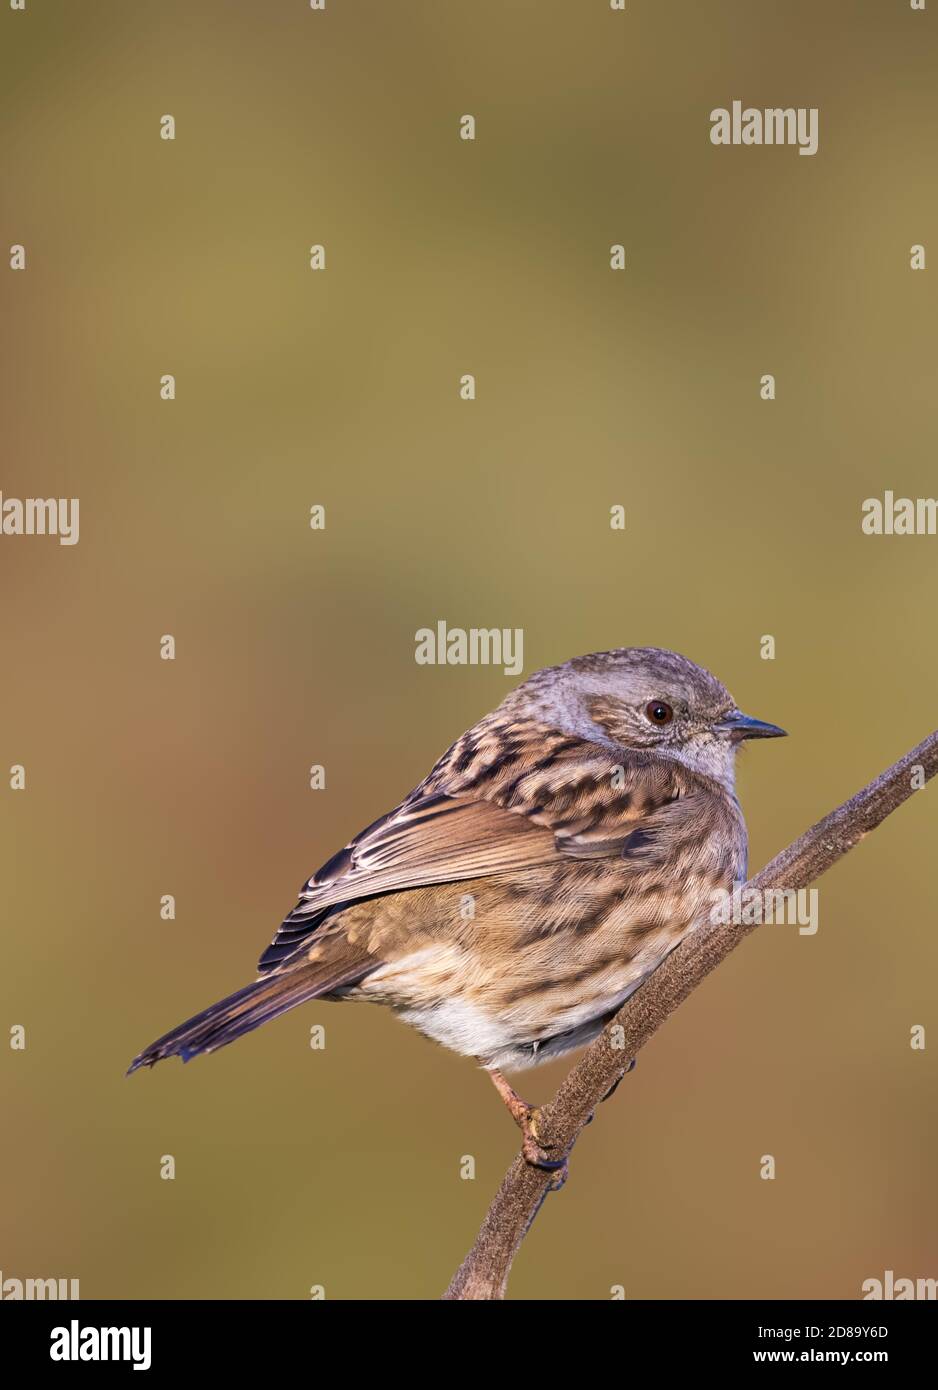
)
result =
(341, 1167)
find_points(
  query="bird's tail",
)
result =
(245, 1010)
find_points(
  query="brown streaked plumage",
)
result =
(542, 870)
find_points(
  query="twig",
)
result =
(484, 1272)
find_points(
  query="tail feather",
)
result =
(245, 1010)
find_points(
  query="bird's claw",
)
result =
(537, 1154)
(615, 1085)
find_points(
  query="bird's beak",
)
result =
(738, 726)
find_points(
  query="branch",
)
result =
(484, 1272)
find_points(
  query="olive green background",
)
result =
(342, 1167)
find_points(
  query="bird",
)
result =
(544, 868)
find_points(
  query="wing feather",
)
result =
(481, 814)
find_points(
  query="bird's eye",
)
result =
(658, 712)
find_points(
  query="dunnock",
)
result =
(541, 871)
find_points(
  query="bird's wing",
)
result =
(534, 801)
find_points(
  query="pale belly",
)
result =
(466, 1029)
(533, 974)
(438, 991)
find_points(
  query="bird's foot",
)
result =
(539, 1155)
(526, 1117)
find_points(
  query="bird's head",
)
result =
(648, 699)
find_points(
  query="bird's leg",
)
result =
(526, 1117)
(518, 1109)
